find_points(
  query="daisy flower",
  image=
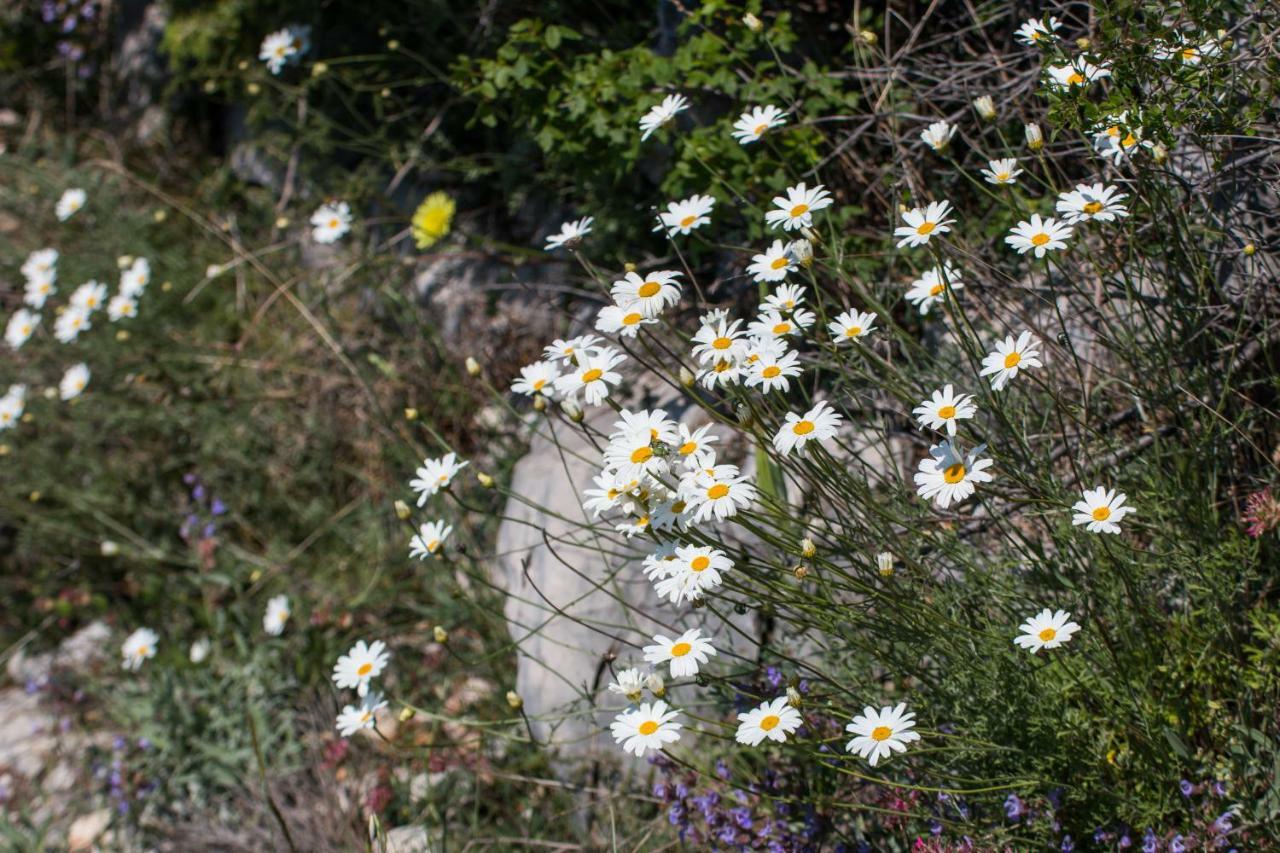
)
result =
(1187, 52)
(716, 492)
(12, 405)
(593, 375)
(610, 492)
(818, 424)
(786, 297)
(73, 381)
(922, 223)
(947, 476)
(631, 456)
(121, 306)
(774, 364)
(1035, 31)
(360, 665)
(693, 445)
(1009, 357)
(356, 717)
(695, 570)
(623, 322)
(70, 324)
(795, 210)
(1046, 630)
(429, 538)
(929, 288)
(134, 280)
(770, 324)
(851, 325)
(1102, 510)
(649, 295)
(282, 47)
(570, 234)
(1092, 201)
(89, 297)
(938, 135)
(653, 423)
(943, 409)
(773, 264)
(685, 653)
(682, 217)
(878, 734)
(1004, 171)
(70, 203)
(38, 290)
(1039, 236)
(434, 475)
(772, 720)
(20, 327)
(567, 352)
(755, 122)
(536, 379)
(651, 726)
(41, 264)
(138, 647)
(661, 114)
(1079, 73)
(719, 340)
(331, 222)
(628, 683)
(277, 614)
(722, 372)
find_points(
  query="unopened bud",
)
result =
(410, 414)
(393, 45)
(884, 562)
(1035, 140)
(1082, 43)
(473, 366)
(441, 635)
(1159, 154)
(253, 88)
(166, 286)
(867, 37)
(320, 69)
(807, 548)
(1249, 249)
(122, 334)
(794, 699)
(282, 222)
(514, 700)
(752, 22)
(34, 497)
(985, 107)
(109, 548)
(572, 409)
(745, 417)
(406, 714)
(124, 261)
(160, 215)
(540, 403)
(402, 510)
(801, 572)
(656, 685)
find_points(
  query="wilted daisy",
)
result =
(593, 376)
(1035, 31)
(20, 327)
(1118, 143)
(796, 208)
(138, 647)
(650, 295)
(716, 491)
(818, 424)
(938, 135)
(277, 615)
(1046, 630)
(985, 107)
(610, 492)
(628, 683)
(537, 379)
(71, 323)
(947, 476)
(360, 665)
(330, 222)
(922, 223)
(719, 339)
(570, 234)
(1004, 171)
(1039, 235)
(651, 726)
(429, 538)
(723, 372)
(284, 46)
(89, 296)
(121, 306)
(685, 653)
(432, 219)
(74, 381)
(434, 475)
(70, 203)
(1009, 357)
(773, 366)
(681, 217)
(943, 409)
(773, 720)
(356, 717)
(755, 122)
(931, 286)
(786, 297)
(695, 569)
(661, 114)
(851, 325)
(1187, 52)
(1079, 73)
(1102, 510)
(878, 734)
(773, 264)
(1092, 201)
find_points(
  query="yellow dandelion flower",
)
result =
(433, 219)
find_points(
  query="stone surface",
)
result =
(408, 839)
(87, 829)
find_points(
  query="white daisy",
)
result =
(70, 203)
(722, 372)
(681, 217)
(947, 476)
(1187, 52)
(89, 296)
(20, 327)
(716, 492)
(755, 122)
(1004, 171)
(1079, 73)
(278, 49)
(70, 324)
(73, 381)
(772, 720)
(1102, 510)
(12, 404)
(628, 683)
(331, 222)
(659, 115)
(685, 653)
(610, 493)
(1039, 236)
(650, 295)
(770, 324)
(593, 376)
(434, 475)
(38, 290)
(138, 647)
(695, 570)
(818, 424)
(277, 615)
(943, 409)
(41, 264)
(623, 322)
(567, 352)
(692, 446)
(851, 325)
(938, 135)
(360, 665)
(570, 234)
(773, 264)
(121, 306)
(363, 716)
(922, 223)
(878, 734)
(786, 297)
(1009, 357)
(536, 379)
(1092, 201)
(1035, 31)
(795, 210)
(1046, 630)
(429, 538)
(929, 289)
(720, 340)
(651, 726)
(772, 366)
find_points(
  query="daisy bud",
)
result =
(473, 366)
(166, 286)
(867, 37)
(698, 603)
(29, 418)
(686, 377)
(124, 261)
(745, 418)
(1082, 43)
(160, 215)
(393, 45)
(793, 697)
(213, 271)
(1159, 154)
(628, 267)
(884, 562)
(410, 414)
(319, 69)
(807, 548)
(199, 650)
(253, 88)
(441, 635)
(34, 497)
(386, 93)
(1035, 140)
(485, 479)
(985, 106)
(539, 403)
(255, 575)
(210, 87)
(50, 393)
(122, 335)
(514, 700)
(109, 548)
(801, 572)
(802, 250)
(402, 510)
(406, 714)
(243, 65)
(1249, 249)
(4, 450)
(282, 222)
(573, 410)
(752, 22)
(656, 685)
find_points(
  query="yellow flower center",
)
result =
(717, 491)
(433, 545)
(947, 412)
(935, 290)
(782, 328)
(632, 318)
(1048, 634)
(722, 343)
(142, 650)
(365, 717)
(926, 228)
(592, 375)
(954, 473)
(1102, 513)
(722, 366)
(648, 727)
(333, 223)
(687, 448)
(1093, 207)
(1011, 360)
(365, 669)
(770, 723)
(679, 650)
(881, 733)
(538, 384)
(799, 210)
(853, 331)
(1189, 54)
(1039, 239)
(779, 262)
(700, 563)
(760, 129)
(1075, 79)
(771, 371)
(1129, 141)
(1035, 35)
(678, 507)
(641, 454)
(802, 427)
(1002, 176)
(649, 288)
(687, 221)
